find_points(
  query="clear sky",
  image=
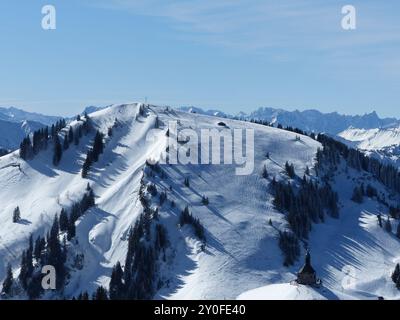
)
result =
(228, 54)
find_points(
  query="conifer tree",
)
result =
(100, 294)
(70, 135)
(187, 182)
(265, 172)
(380, 220)
(357, 195)
(8, 283)
(16, 215)
(87, 164)
(116, 283)
(71, 230)
(57, 151)
(396, 273)
(40, 244)
(98, 146)
(388, 225)
(66, 142)
(290, 170)
(64, 220)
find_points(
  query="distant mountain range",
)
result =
(15, 124)
(308, 120)
(15, 115)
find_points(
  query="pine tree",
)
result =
(388, 225)
(396, 273)
(40, 244)
(380, 220)
(34, 288)
(357, 195)
(57, 151)
(290, 170)
(71, 231)
(100, 294)
(26, 270)
(98, 146)
(64, 220)
(56, 254)
(70, 135)
(66, 142)
(76, 137)
(116, 283)
(16, 215)
(187, 182)
(265, 172)
(87, 164)
(8, 283)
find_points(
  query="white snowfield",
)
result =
(242, 250)
(373, 139)
(285, 291)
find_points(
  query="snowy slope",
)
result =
(373, 139)
(383, 143)
(288, 291)
(242, 250)
(12, 133)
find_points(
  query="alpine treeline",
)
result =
(48, 250)
(304, 205)
(147, 244)
(29, 148)
(187, 218)
(387, 174)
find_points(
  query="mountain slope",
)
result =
(12, 133)
(383, 143)
(12, 114)
(241, 251)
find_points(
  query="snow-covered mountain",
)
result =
(308, 120)
(376, 136)
(12, 114)
(383, 143)
(231, 243)
(12, 133)
(16, 124)
(316, 121)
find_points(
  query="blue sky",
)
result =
(228, 54)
